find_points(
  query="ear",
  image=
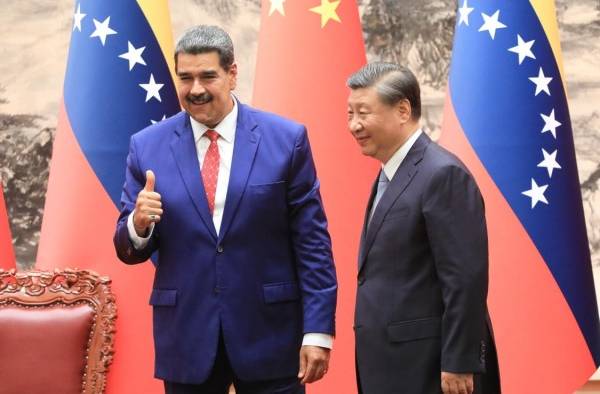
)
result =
(404, 110)
(232, 75)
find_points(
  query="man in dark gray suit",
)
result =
(421, 321)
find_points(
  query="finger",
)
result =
(149, 196)
(317, 374)
(153, 211)
(453, 387)
(321, 372)
(325, 366)
(154, 218)
(461, 386)
(150, 181)
(151, 203)
(309, 377)
(445, 387)
(470, 385)
(302, 370)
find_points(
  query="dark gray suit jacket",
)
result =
(423, 277)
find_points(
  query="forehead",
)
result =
(364, 97)
(188, 62)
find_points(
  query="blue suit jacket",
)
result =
(265, 280)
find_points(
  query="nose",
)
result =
(354, 124)
(197, 87)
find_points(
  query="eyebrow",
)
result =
(208, 73)
(203, 74)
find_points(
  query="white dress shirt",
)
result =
(392, 165)
(226, 130)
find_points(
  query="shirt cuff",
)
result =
(137, 241)
(318, 339)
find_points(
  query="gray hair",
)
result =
(392, 82)
(203, 39)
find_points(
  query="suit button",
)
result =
(220, 248)
(361, 280)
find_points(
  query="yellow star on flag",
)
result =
(327, 11)
(277, 5)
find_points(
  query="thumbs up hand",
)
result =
(150, 181)
(148, 208)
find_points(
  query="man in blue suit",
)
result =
(245, 286)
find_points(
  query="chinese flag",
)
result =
(7, 257)
(306, 51)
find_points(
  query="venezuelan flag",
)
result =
(506, 116)
(118, 81)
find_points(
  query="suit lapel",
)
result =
(184, 151)
(404, 175)
(363, 234)
(247, 138)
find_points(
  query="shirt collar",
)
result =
(398, 157)
(226, 128)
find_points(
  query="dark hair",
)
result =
(392, 82)
(203, 39)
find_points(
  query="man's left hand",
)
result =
(457, 383)
(314, 362)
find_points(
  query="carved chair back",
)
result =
(56, 332)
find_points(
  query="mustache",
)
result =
(199, 98)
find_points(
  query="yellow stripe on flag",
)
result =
(159, 18)
(546, 12)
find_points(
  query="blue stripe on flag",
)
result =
(497, 106)
(103, 98)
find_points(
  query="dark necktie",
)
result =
(382, 184)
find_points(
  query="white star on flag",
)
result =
(77, 18)
(133, 55)
(523, 49)
(277, 5)
(464, 12)
(536, 193)
(551, 123)
(156, 121)
(549, 162)
(102, 30)
(541, 83)
(491, 23)
(152, 89)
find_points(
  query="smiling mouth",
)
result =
(362, 140)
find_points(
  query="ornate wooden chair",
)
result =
(56, 332)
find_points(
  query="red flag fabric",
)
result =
(7, 256)
(306, 51)
(117, 82)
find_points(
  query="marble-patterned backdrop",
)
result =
(34, 38)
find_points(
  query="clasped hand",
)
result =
(314, 362)
(457, 383)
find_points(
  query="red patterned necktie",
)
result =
(210, 169)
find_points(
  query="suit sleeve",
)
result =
(311, 241)
(135, 179)
(455, 219)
